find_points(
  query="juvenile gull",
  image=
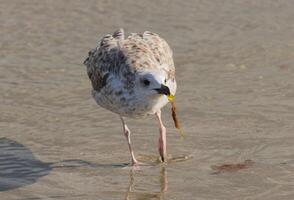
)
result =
(133, 77)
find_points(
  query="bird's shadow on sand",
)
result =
(19, 167)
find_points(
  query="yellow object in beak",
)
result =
(170, 97)
(174, 115)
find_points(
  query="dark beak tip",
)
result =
(163, 90)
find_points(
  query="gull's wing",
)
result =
(117, 55)
(148, 50)
(162, 52)
(106, 59)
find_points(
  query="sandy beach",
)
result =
(235, 101)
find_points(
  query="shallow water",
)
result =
(235, 102)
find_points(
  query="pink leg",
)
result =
(127, 134)
(162, 137)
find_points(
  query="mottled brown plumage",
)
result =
(115, 54)
(131, 76)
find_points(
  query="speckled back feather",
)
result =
(124, 56)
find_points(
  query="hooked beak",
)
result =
(163, 90)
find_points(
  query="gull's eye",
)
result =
(165, 80)
(146, 82)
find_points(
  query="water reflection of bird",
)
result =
(133, 77)
(147, 195)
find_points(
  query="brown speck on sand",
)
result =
(231, 167)
(284, 67)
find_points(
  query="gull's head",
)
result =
(153, 84)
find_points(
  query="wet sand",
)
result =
(235, 101)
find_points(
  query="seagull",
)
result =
(134, 77)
